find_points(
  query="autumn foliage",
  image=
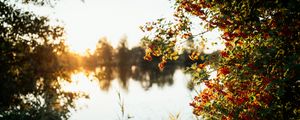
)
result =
(258, 73)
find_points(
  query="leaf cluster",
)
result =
(257, 72)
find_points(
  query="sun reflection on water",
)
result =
(138, 101)
(81, 82)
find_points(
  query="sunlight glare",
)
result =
(80, 82)
(86, 22)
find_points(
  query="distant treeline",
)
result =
(123, 63)
(106, 55)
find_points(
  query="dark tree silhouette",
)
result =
(30, 67)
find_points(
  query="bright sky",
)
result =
(86, 22)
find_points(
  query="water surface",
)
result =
(144, 94)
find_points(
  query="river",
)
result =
(140, 95)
